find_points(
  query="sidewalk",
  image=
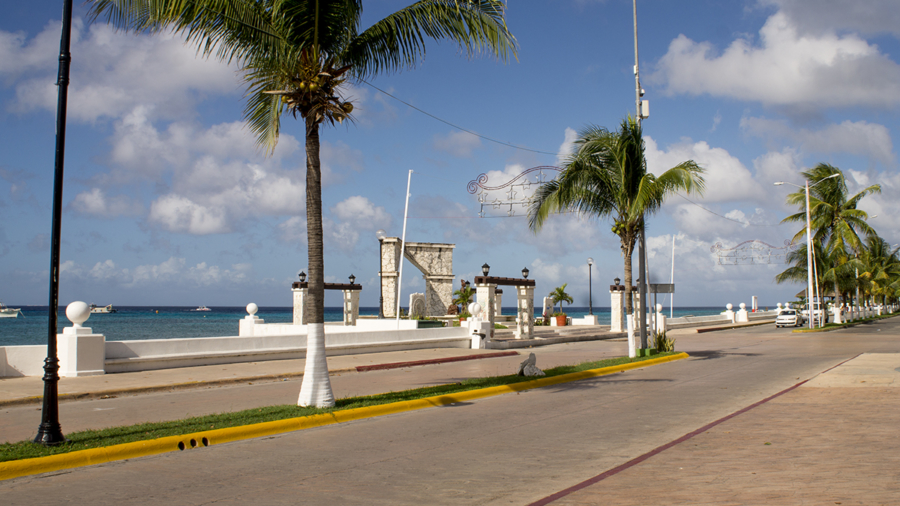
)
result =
(26, 390)
(832, 440)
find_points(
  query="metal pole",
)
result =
(809, 264)
(672, 295)
(642, 288)
(590, 290)
(403, 248)
(50, 432)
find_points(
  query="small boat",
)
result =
(95, 309)
(8, 312)
(202, 308)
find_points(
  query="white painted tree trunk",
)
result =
(315, 390)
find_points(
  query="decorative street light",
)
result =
(50, 431)
(617, 281)
(590, 287)
(809, 249)
(302, 277)
(485, 269)
(381, 234)
(352, 279)
(525, 272)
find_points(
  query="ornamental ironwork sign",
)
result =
(517, 194)
(753, 253)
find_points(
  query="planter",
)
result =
(561, 320)
(429, 324)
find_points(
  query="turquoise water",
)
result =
(135, 322)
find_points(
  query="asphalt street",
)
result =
(509, 449)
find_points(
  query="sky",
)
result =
(168, 200)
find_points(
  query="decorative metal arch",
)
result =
(752, 252)
(518, 184)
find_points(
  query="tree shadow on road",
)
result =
(713, 354)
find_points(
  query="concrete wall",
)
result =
(16, 361)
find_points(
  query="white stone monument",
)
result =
(81, 352)
(741, 316)
(484, 295)
(525, 312)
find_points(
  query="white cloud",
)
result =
(859, 138)
(96, 203)
(818, 16)
(357, 214)
(180, 214)
(726, 177)
(567, 147)
(784, 68)
(459, 144)
(172, 272)
(112, 72)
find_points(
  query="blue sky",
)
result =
(168, 200)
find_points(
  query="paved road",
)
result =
(511, 449)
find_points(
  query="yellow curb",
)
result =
(26, 467)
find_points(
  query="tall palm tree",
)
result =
(607, 176)
(295, 56)
(879, 268)
(834, 218)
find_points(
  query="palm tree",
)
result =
(559, 296)
(607, 176)
(295, 56)
(834, 218)
(880, 268)
(463, 297)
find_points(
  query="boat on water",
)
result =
(202, 308)
(9, 312)
(95, 309)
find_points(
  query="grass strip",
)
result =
(837, 326)
(89, 439)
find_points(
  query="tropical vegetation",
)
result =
(851, 261)
(607, 177)
(296, 56)
(558, 296)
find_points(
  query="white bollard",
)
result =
(632, 348)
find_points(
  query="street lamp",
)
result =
(485, 269)
(352, 279)
(617, 281)
(302, 277)
(525, 272)
(590, 287)
(809, 247)
(381, 234)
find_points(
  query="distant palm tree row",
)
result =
(851, 261)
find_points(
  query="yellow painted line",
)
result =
(26, 467)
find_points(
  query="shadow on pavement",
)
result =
(713, 354)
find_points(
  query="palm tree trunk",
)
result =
(315, 389)
(629, 309)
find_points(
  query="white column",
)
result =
(616, 301)
(80, 351)
(351, 307)
(300, 297)
(498, 302)
(525, 312)
(247, 326)
(741, 316)
(485, 297)
(660, 320)
(728, 312)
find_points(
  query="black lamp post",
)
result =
(352, 279)
(381, 234)
(590, 287)
(617, 281)
(302, 277)
(485, 269)
(525, 272)
(50, 431)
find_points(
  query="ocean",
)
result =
(163, 322)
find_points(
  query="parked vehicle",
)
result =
(789, 318)
(820, 313)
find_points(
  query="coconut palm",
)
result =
(463, 297)
(607, 176)
(295, 56)
(879, 270)
(834, 218)
(559, 295)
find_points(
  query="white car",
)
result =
(789, 318)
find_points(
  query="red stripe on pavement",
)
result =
(637, 460)
(397, 365)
